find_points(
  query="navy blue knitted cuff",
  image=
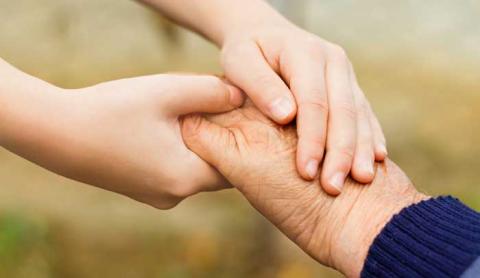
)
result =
(439, 237)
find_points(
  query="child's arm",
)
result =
(123, 135)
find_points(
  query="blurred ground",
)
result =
(418, 62)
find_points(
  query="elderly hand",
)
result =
(258, 157)
(122, 135)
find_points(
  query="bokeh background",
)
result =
(418, 61)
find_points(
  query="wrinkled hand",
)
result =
(258, 157)
(282, 67)
(124, 135)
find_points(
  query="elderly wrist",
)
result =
(359, 214)
(367, 219)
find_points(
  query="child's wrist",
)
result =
(247, 17)
(25, 109)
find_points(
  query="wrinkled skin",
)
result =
(258, 157)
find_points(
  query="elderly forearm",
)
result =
(215, 19)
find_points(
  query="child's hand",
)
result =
(124, 135)
(287, 71)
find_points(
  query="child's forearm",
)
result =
(215, 19)
(25, 106)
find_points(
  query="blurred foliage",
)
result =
(24, 247)
(417, 61)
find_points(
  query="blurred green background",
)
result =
(418, 62)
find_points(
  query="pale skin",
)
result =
(258, 157)
(122, 135)
(289, 72)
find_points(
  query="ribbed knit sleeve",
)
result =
(439, 237)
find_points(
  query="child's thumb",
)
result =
(209, 94)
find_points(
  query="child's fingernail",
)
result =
(281, 108)
(337, 181)
(236, 96)
(311, 168)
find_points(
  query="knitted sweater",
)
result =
(439, 237)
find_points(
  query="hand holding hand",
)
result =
(289, 72)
